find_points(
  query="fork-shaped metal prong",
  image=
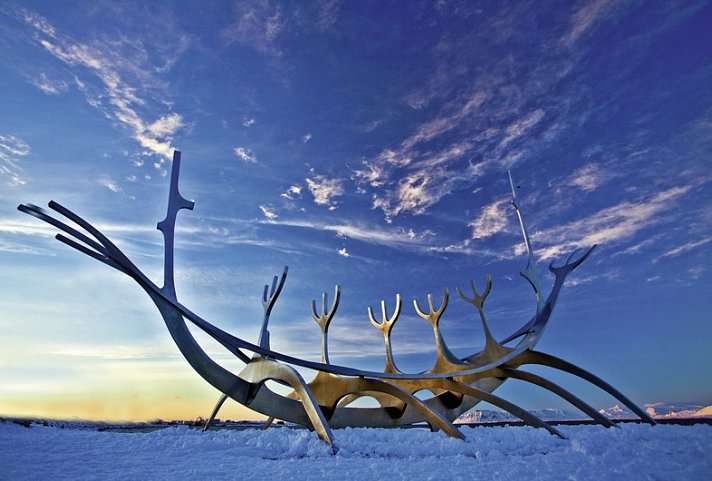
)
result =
(478, 300)
(492, 347)
(324, 319)
(269, 297)
(385, 326)
(445, 358)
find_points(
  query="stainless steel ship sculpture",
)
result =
(326, 402)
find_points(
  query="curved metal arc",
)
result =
(431, 416)
(41, 214)
(536, 357)
(570, 265)
(218, 405)
(556, 389)
(85, 250)
(538, 322)
(502, 403)
(259, 371)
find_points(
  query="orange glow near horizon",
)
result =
(119, 407)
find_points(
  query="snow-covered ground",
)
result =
(634, 452)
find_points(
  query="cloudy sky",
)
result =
(364, 144)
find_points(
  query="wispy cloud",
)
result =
(454, 149)
(246, 155)
(293, 192)
(688, 246)
(492, 220)
(395, 237)
(120, 98)
(268, 212)
(12, 150)
(327, 14)
(584, 19)
(261, 24)
(110, 184)
(610, 225)
(343, 252)
(325, 189)
(257, 25)
(493, 119)
(589, 177)
(48, 86)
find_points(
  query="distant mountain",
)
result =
(662, 410)
(490, 416)
(679, 410)
(657, 410)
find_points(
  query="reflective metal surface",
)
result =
(456, 384)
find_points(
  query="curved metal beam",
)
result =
(535, 357)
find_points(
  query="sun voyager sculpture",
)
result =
(327, 401)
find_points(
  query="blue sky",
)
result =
(365, 144)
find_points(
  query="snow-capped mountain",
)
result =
(489, 416)
(662, 410)
(658, 410)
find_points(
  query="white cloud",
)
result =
(248, 122)
(268, 212)
(343, 252)
(325, 190)
(293, 192)
(110, 184)
(372, 174)
(80, 85)
(492, 220)
(246, 155)
(166, 125)
(422, 188)
(12, 150)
